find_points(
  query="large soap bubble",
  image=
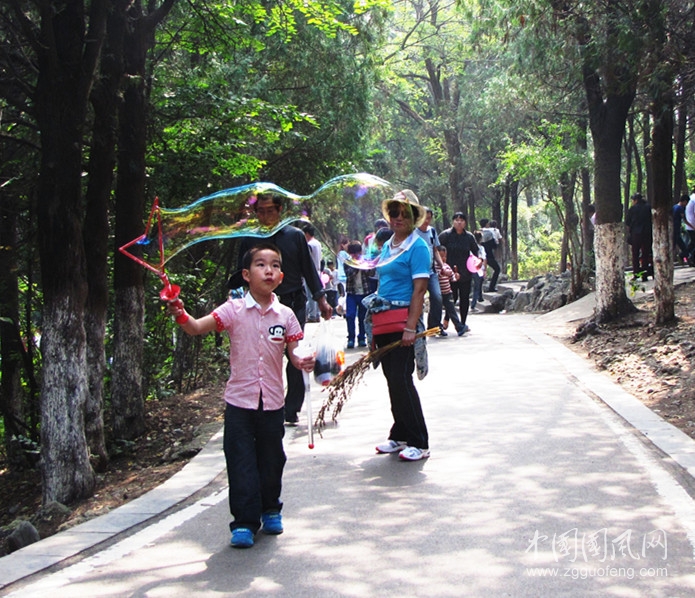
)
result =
(230, 213)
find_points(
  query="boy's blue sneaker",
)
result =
(272, 523)
(242, 537)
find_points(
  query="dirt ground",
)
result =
(177, 428)
(653, 364)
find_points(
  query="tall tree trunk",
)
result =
(628, 143)
(96, 231)
(11, 350)
(127, 392)
(587, 226)
(680, 185)
(126, 389)
(661, 164)
(608, 111)
(67, 64)
(514, 227)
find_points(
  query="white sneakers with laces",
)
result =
(391, 446)
(405, 452)
(411, 453)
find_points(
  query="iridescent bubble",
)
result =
(230, 213)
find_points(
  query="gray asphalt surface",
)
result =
(535, 487)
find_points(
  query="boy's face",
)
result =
(265, 272)
(442, 254)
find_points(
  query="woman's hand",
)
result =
(408, 338)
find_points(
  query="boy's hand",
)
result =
(307, 363)
(456, 273)
(175, 308)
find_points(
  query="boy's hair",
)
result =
(483, 222)
(441, 249)
(383, 235)
(248, 256)
(460, 215)
(493, 224)
(379, 224)
(330, 263)
(478, 235)
(354, 247)
(309, 230)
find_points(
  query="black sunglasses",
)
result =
(396, 211)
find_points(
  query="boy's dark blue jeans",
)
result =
(255, 461)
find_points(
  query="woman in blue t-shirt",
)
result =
(403, 282)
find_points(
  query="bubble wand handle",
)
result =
(305, 351)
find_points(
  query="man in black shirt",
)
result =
(459, 245)
(639, 224)
(296, 264)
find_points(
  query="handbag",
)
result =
(392, 320)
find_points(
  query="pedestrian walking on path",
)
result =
(254, 415)
(403, 281)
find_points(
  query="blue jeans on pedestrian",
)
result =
(354, 308)
(255, 462)
(398, 366)
(434, 316)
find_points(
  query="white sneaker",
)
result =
(391, 446)
(411, 453)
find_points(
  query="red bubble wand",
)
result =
(170, 292)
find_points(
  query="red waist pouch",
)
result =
(393, 320)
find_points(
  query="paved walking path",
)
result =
(535, 487)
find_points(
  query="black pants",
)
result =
(408, 420)
(295, 380)
(492, 262)
(255, 462)
(461, 289)
(641, 245)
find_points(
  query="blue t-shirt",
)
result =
(396, 277)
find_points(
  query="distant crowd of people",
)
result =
(639, 233)
(452, 277)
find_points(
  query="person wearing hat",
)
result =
(403, 280)
(460, 244)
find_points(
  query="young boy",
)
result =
(446, 274)
(259, 329)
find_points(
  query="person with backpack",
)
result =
(492, 239)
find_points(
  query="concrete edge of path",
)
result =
(196, 474)
(676, 444)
